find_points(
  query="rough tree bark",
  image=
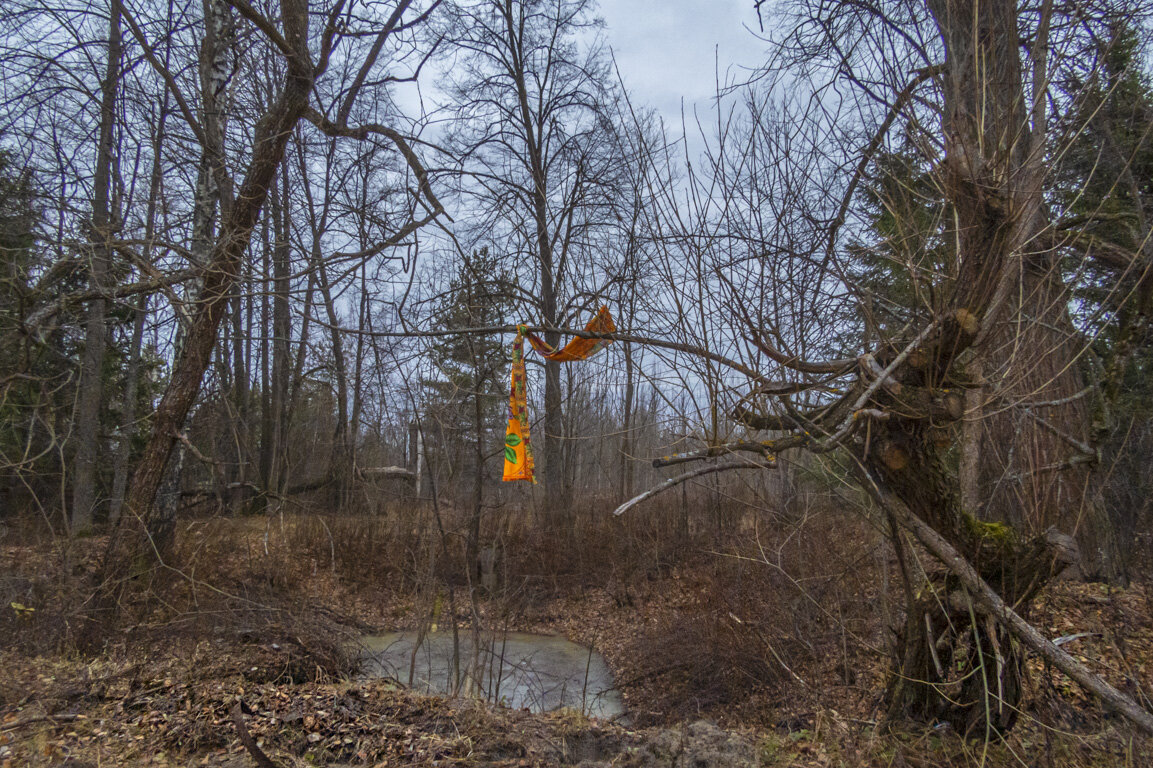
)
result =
(981, 599)
(952, 666)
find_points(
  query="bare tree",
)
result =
(91, 390)
(291, 42)
(538, 165)
(775, 226)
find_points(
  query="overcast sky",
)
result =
(671, 49)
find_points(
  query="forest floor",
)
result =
(192, 687)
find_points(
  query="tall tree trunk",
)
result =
(237, 467)
(479, 379)
(358, 369)
(296, 381)
(281, 338)
(124, 447)
(340, 461)
(625, 480)
(953, 665)
(275, 324)
(340, 467)
(557, 501)
(91, 390)
(269, 141)
(212, 187)
(530, 123)
(267, 422)
(627, 307)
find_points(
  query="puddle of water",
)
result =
(519, 670)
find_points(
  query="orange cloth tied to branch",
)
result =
(518, 463)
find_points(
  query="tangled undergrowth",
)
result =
(723, 660)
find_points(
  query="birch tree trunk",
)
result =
(213, 187)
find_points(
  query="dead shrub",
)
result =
(789, 600)
(227, 583)
(44, 586)
(724, 648)
(402, 548)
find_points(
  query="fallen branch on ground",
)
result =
(263, 760)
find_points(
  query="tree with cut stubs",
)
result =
(982, 352)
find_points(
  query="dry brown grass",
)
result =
(717, 619)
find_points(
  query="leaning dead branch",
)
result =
(765, 448)
(986, 598)
(258, 755)
(989, 602)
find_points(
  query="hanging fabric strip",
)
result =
(517, 451)
(518, 461)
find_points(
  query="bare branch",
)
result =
(166, 75)
(362, 132)
(622, 337)
(867, 156)
(673, 482)
(261, 22)
(765, 448)
(258, 755)
(39, 317)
